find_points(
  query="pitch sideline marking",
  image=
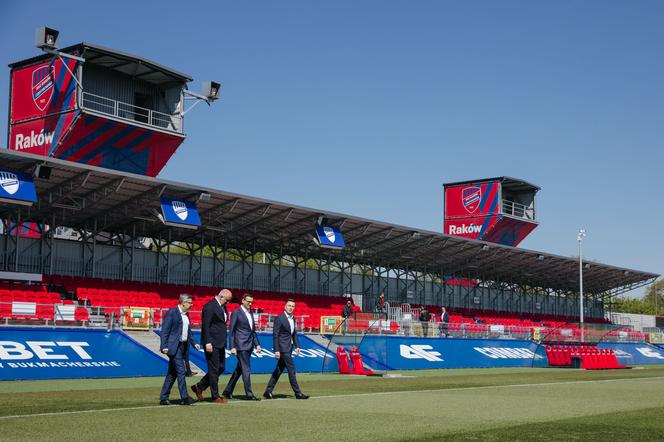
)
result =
(437, 390)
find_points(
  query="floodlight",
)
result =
(211, 90)
(46, 38)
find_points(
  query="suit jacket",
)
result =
(213, 330)
(282, 337)
(171, 331)
(242, 332)
(445, 317)
(347, 311)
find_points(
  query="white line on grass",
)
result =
(379, 393)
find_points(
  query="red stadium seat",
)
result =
(343, 360)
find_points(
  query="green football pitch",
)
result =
(469, 404)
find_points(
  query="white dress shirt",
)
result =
(250, 318)
(291, 322)
(185, 325)
(222, 309)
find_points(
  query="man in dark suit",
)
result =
(175, 337)
(425, 317)
(213, 340)
(243, 339)
(444, 321)
(284, 335)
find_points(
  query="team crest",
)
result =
(43, 82)
(329, 233)
(471, 197)
(180, 209)
(9, 182)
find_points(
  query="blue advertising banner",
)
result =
(180, 212)
(16, 187)
(310, 358)
(404, 353)
(635, 354)
(72, 354)
(329, 236)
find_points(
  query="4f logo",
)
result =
(419, 352)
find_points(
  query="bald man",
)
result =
(213, 340)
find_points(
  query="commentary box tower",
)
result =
(99, 106)
(500, 210)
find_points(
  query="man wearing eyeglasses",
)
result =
(175, 337)
(243, 340)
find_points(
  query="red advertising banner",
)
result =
(471, 200)
(40, 136)
(42, 89)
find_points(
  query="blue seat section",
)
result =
(40, 353)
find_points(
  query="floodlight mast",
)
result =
(579, 238)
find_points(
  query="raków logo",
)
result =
(43, 85)
(470, 197)
(33, 139)
(329, 233)
(419, 352)
(463, 229)
(9, 182)
(180, 209)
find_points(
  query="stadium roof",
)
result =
(82, 197)
(133, 65)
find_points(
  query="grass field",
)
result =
(471, 404)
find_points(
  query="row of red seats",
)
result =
(352, 364)
(592, 358)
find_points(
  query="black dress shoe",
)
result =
(267, 395)
(166, 402)
(187, 401)
(301, 396)
(227, 396)
(253, 398)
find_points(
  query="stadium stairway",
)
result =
(151, 341)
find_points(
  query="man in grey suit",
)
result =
(284, 335)
(243, 340)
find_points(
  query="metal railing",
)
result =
(519, 210)
(131, 112)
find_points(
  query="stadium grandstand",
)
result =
(96, 236)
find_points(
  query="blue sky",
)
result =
(367, 107)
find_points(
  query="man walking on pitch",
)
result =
(243, 340)
(175, 336)
(213, 340)
(284, 335)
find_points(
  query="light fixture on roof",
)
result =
(204, 196)
(210, 92)
(485, 247)
(540, 257)
(46, 38)
(626, 272)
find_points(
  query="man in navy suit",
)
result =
(243, 339)
(284, 335)
(175, 337)
(213, 339)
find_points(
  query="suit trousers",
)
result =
(243, 369)
(216, 362)
(176, 370)
(285, 362)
